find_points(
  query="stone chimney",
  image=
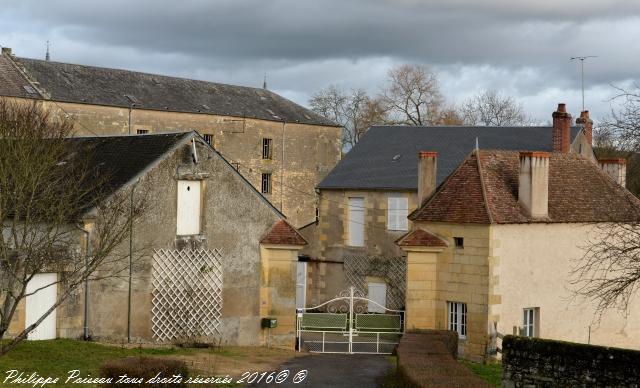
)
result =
(561, 129)
(533, 189)
(616, 168)
(426, 174)
(587, 124)
(6, 51)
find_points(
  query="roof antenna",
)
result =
(47, 56)
(581, 59)
(264, 82)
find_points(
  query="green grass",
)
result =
(492, 372)
(56, 357)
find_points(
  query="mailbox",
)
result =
(269, 323)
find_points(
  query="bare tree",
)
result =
(355, 111)
(609, 272)
(624, 123)
(412, 95)
(490, 108)
(49, 194)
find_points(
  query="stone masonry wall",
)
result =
(534, 362)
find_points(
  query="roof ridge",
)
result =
(483, 185)
(145, 73)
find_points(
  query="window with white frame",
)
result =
(530, 322)
(355, 228)
(458, 318)
(189, 203)
(397, 212)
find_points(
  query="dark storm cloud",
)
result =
(522, 47)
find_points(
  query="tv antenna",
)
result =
(581, 59)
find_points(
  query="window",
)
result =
(266, 148)
(356, 222)
(530, 322)
(458, 318)
(458, 242)
(266, 183)
(142, 131)
(397, 211)
(189, 203)
(208, 138)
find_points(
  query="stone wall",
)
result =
(302, 154)
(534, 362)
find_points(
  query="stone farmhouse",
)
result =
(282, 148)
(203, 214)
(492, 248)
(365, 200)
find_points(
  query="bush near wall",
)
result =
(428, 359)
(535, 362)
(146, 368)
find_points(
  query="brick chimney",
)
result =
(587, 124)
(427, 167)
(561, 129)
(533, 188)
(616, 168)
(6, 51)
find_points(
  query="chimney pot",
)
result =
(561, 129)
(533, 188)
(587, 125)
(427, 168)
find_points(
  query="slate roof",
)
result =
(485, 191)
(116, 160)
(102, 86)
(421, 238)
(282, 233)
(386, 157)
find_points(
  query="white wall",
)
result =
(531, 266)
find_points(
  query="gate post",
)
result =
(350, 322)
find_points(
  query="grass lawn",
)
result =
(55, 358)
(492, 373)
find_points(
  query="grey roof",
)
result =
(386, 157)
(122, 88)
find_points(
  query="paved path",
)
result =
(337, 370)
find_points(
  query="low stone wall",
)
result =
(428, 359)
(534, 362)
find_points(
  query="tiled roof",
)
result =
(578, 192)
(113, 87)
(12, 83)
(419, 237)
(283, 234)
(386, 157)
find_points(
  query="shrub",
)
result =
(144, 368)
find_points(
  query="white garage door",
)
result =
(39, 303)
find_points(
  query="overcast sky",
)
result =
(520, 48)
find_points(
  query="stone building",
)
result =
(366, 198)
(211, 255)
(282, 148)
(492, 248)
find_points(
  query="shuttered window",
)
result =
(189, 203)
(397, 212)
(356, 222)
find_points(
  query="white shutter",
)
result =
(356, 221)
(378, 294)
(397, 212)
(301, 285)
(189, 202)
(38, 304)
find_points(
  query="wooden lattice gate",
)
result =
(187, 294)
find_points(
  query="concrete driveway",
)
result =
(336, 370)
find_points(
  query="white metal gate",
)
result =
(187, 294)
(345, 326)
